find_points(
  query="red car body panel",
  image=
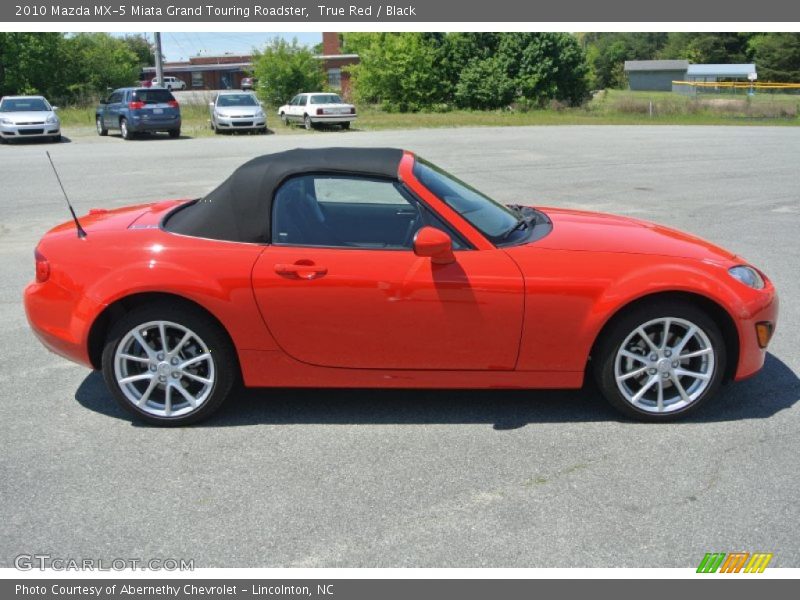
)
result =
(517, 317)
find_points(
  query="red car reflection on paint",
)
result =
(374, 268)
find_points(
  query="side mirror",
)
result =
(435, 244)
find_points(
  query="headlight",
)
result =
(259, 114)
(6, 121)
(748, 276)
(52, 119)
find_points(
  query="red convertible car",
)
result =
(374, 268)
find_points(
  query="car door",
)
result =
(340, 286)
(112, 113)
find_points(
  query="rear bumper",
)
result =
(61, 319)
(764, 307)
(137, 124)
(332, 118)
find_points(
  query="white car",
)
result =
(26, 117)
(317, 108)
(171, 83)
(236, 111)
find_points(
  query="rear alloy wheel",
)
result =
(307, 123)
(101, 126)
(123, 129)
(661, 361)
(169, 365)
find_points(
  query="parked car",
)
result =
(248, 83)
(318, 108)
(26, 117)
(170, 83)
(237, 111)
(371, 267)
(139, 110)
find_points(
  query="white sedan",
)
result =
(28, 117)
(318, 108)
(237, 111)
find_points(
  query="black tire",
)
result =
(346, 125)
(126, 133)
(174, 133)
(307, 123)
(226, 366)
(56, 139)
(606, 350)
(285, 119)
(101, 126)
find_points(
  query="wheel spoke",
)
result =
(196, 359)
(138, 377)
(630, 374)
(168, 400)
(660, 399)
(685, 340)
(633, 356)
(643, 334)
(162, 330)
(692, 374)
(665, 335)
(702, 352)
(137, 335)
(681, 391)
(146, 396)
(141, 359)
(644, 388)
(177, 348)
(185, 393)
(191, 375)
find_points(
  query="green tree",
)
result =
(284, 69)
(32, 63)
(99, 61)
(706, 47)
(484, 84)
(606, 53)
(777, 56)
(143, 49)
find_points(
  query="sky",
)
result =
(179, 46)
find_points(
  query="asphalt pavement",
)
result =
(321, 478)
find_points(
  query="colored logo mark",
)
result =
(734, 562)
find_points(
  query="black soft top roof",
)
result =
(240, 209)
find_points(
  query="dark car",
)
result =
(139, 110)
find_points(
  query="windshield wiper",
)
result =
(522, 223)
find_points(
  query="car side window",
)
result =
(348, 212)
(115, 98)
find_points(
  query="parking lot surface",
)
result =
(321, 478)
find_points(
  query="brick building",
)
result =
(226, 71)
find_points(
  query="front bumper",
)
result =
(763, 307)
(241, 122)
(33, 130)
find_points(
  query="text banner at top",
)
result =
(434, 11)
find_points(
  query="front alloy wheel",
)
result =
(661, 362)
(168, 366)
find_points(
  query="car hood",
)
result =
(27, 116)
(600, 232)
(237, 111)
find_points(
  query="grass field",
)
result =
(610, 107)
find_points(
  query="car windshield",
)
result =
(491, 218)
(237, 100)
(326, 99)
(23, 104)
(153, 96)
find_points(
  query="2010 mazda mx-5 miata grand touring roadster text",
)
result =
(374, 268)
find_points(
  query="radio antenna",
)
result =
(81, 231)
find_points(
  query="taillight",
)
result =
(42, 267)
(136, 105)
(173, 104)
(352, 110)
(319, 111)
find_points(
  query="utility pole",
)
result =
(159, 65)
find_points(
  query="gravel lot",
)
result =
(321, 478)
